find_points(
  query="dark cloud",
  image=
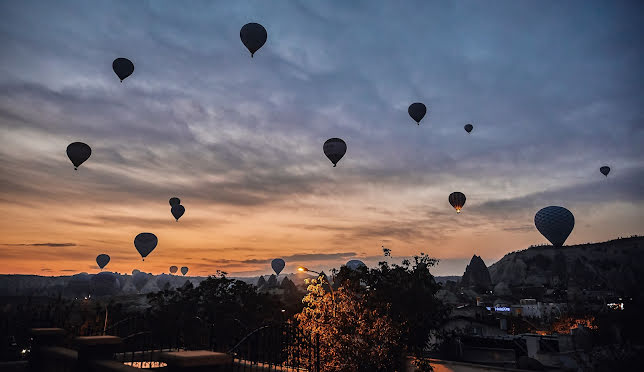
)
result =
(43, 245)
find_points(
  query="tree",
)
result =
(352, 336)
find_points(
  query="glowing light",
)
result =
(302, 269)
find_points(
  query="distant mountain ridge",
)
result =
(616, 264)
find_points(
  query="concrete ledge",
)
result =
(97, 340)
(197, 358)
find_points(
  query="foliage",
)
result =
(406, 292)
(352, 335)
(226, 308)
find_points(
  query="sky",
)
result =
(554, 90)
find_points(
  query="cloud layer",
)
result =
(239, 140)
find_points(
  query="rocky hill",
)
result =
(477, 275)
(616, 265)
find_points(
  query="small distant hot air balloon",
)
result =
(173, 269)
(605, 170)
(457, 200)
(555, 224)
(123, 68)
(278, 265)
(417, 111)
(355, 264)
(334, 149)
(178, 211)
(102, 260)
(78, 152)
(468, 127)
(254, 36)
(184, 270)
(174, 201)
(145, 243)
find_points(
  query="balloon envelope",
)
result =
(173, 269)
(102, 260)
(145, 243)
(178, 211)
(78, 152)
(104, 284)
(123, 68)
(468, 127)
(555, 224)
(334, 149)
(253, 35)
(355, 264)
(417, 111)
(457, 200)
(605, 170)
(184, 270)
(174, 201)
(278, 265)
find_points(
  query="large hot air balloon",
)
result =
(253, 35)
(178, 211)
(123, 68)
(173, 269)
(278, 265)
(78, 152)
(174, 201)
(104, 284)
(417, 111)
(334, 149)
(355, 264)
(140, 279)
(468, 127)
(184, 270)
(102, 260)
(145, 243)
(457, 200)
(605, 170)
(555, 224)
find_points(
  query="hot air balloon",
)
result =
(174, 201)
(184, 270)
(278, 265)
(140, 279)
(555, 224)
(178, 211)
(102, 260)
(605, 170)
(468, 127)
(123, 68)
(145, 243)
(78, 152)
(457, 200)
(417, 111)
(355, 264)
(334, 149)
(135, 271)
(104, 284)
(253, 35)
(173, 269)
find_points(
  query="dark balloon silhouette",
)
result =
(468, 127)
(355, 264)
(174, 201)
(78, 152)
(184, 270)
(173, 269)
(555, 224)
(417, 111)
(178, 211)
(457, 200)
(123, 68)
(278, 265)
(334, 149)
(605, 170)
(254, 36)
(145, 243)
(102, 260)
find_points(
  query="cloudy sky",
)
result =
(554, 90)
